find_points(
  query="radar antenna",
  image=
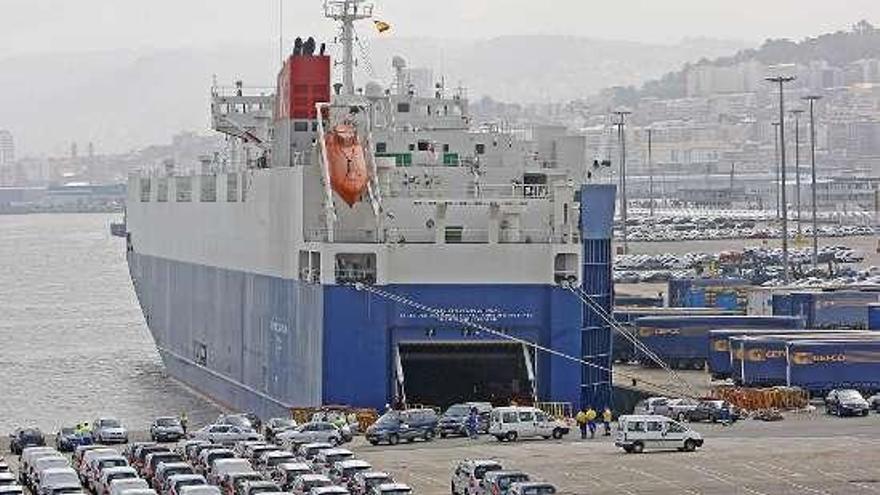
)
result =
(346, 12)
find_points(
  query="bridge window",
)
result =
(381, 147)
(208, 189)
(454, 234)
(162, 190)
(300, 126)
(356, 268)
(480, 148)
(403, 107)
(183, 188)
(232, 188)
(145, 189)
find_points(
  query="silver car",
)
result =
(109, 430)
(317, 431)
(224, 434)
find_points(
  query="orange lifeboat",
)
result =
(348, 166)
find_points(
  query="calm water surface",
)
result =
(73, 343)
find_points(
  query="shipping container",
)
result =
(722, 293)
(822, 366)
(683, 341)
(874, 317)
(761, 361)
(760, 300)
(829, 309)
(626, 316)
(719, 347)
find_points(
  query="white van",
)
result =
(637, 432)
(511, 423)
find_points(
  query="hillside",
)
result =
(125, 99)
(837, 49)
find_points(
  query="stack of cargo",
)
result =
(761, 399)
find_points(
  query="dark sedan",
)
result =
(712, 411)
(846, 402)
(24, 438)
(68, 439)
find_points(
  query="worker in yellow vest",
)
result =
(591, 421)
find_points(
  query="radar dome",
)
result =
(373, 90)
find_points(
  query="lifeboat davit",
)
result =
(348, 166)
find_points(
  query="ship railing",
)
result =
(392, 235)
(537, 236)
(474, 191)
(347, 275)
(371, 236)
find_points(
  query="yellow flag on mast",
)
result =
(382, 26)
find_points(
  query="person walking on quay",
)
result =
(183, 421)
(581, 419)
(607, 416)
(472, 422)
(591, 421)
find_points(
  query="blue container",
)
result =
(833, 309)
(874, 317)
(782, 305)
(819, 366)
(752, 360)
(762, 361)
(722, 293)
(624, 351)
(720, 349)
(683, 341)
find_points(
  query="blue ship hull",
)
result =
(266, 344)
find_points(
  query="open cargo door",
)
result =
(444, 373)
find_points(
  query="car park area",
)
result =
(808, 452)
(811, 453)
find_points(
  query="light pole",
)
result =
(813, 99)
(781, 80)
(621, 137)
(797, 165)
(776, 167)
(650, 177)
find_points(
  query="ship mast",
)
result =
(347, 12)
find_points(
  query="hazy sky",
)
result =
(40, 25)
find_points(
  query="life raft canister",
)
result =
(348, 166)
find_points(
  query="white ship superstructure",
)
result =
(247, 275)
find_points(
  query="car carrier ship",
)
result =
(373, 246)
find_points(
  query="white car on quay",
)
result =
(638, 432)
(111, 474)
(120, 485)
(54, 481)
(516, 422)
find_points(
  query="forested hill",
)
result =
(837, 49)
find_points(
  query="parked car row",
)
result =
(687, 409)
(43, 471)
(504, 423)
(230, 457)
(489, 477)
